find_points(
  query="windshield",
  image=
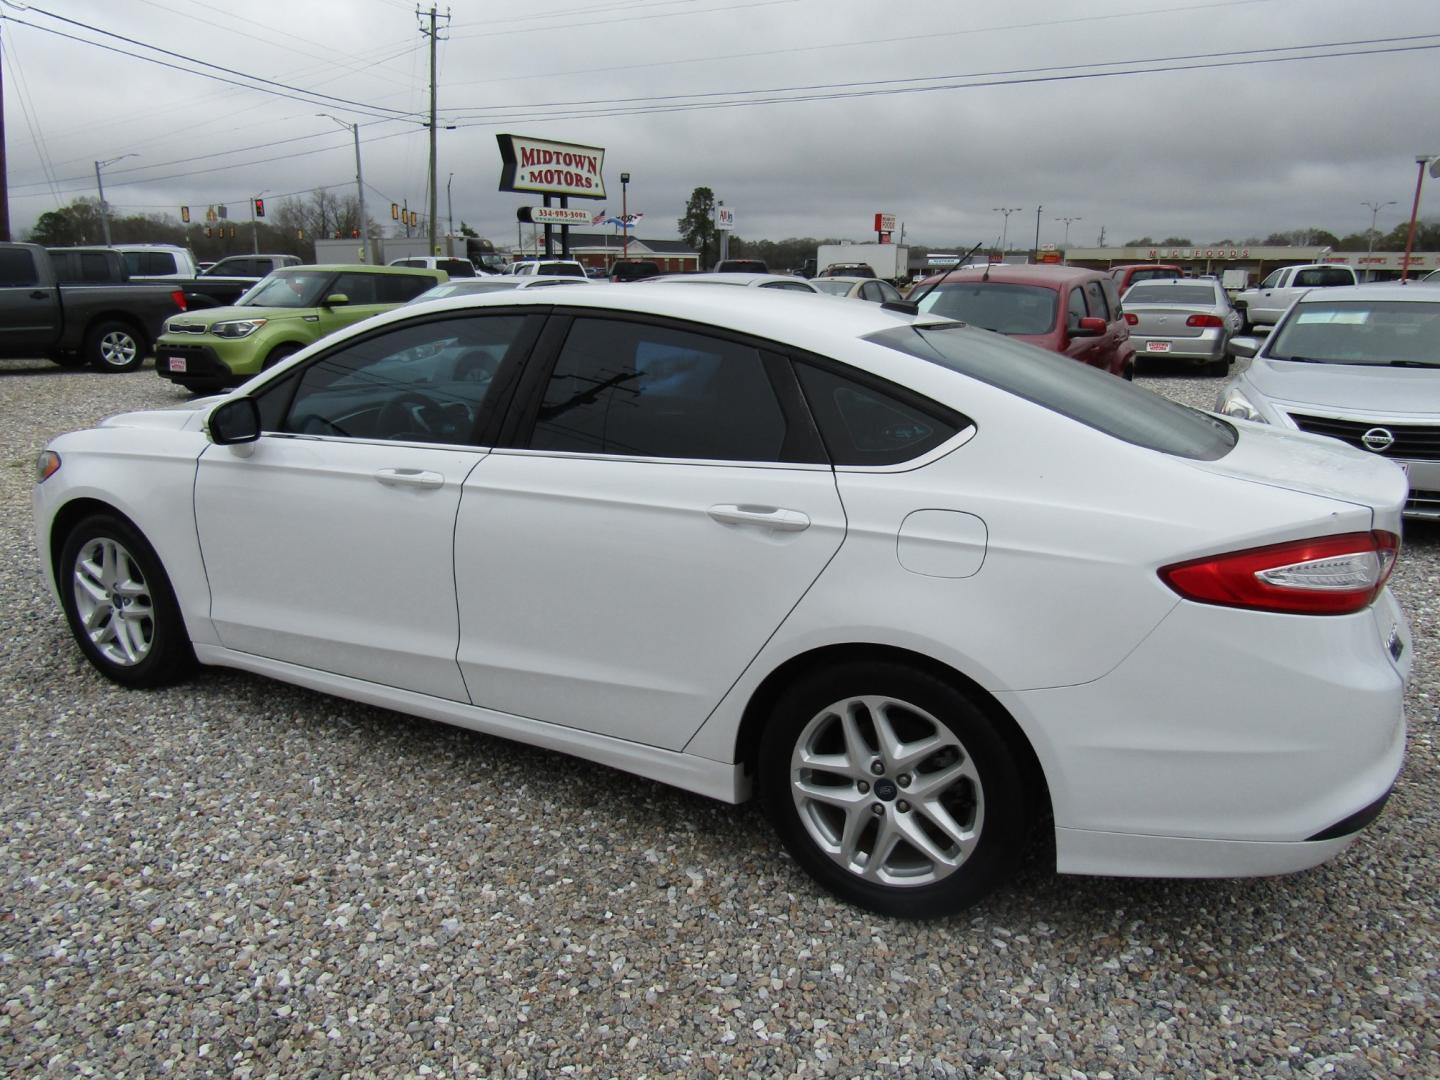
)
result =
(288, 289)
(1195, 295)
(1381, 332)
(1087, 395)
(1007, 309)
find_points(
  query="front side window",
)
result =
(427, 382)
(655, 391)
(1075, 309)
(1095, 299)
(994, 305)
(1273, 281)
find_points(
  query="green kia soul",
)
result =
(218, 347)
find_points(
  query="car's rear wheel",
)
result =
(119, 604)
(893, 789)
(114, 346)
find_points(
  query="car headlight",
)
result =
(237, 328)
(1234, 403)
(46, 465)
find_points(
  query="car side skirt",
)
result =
(717, 780)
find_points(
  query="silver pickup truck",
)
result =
(1265, 303)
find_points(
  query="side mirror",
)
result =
(338, 299)
(1244, 347)
(236, 421)
(1089, 327)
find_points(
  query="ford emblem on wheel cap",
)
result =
(1377, 439)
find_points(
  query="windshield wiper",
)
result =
(1410, 363)
(1302, 359)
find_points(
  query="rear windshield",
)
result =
(832, 286)
(560, 270)
(1006, 309)
(1390, 333)
(456, 267)
(1171, 294)
(1152, 273)
(1087, 395)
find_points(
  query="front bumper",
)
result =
(190, 362)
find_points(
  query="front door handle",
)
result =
(768, 517)
(420, 478)
(39, 295)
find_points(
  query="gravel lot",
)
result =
(239, 878)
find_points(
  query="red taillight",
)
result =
(1204, 320)
(178, 299)
(1331, 575)
(1133, 320)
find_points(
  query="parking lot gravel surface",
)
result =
(237, 878)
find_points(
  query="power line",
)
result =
(395, 113)
(838, 91)
(726, 10)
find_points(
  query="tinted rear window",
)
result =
(1085, 394)
(1007, 309)
(1171, 294)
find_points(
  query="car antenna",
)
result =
(912, 307)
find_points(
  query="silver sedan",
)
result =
(1182, 319)
(857, 287)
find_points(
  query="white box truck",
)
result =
(888, 261)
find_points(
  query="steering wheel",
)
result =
(411, 413)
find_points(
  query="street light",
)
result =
(1005, 228)
(1375, 209)
(1067, 221)
(1037, 231)
(104, 208)
(449, 206)
(625, 214)
(359, 187)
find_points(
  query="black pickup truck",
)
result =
(111, 327)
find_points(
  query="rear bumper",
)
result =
(1208, 347)
(1266, 758)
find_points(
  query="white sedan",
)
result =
(922, 589)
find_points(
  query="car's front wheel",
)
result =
(894, 790)
(119, 604)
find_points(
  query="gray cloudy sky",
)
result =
(893, 122)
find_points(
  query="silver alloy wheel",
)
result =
(113, 602)
(118, 348)
(887, 791)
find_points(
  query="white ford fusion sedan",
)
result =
(924, 590)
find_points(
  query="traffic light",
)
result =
(394, 211)
(259, 207)
(354, 234)
(208, 232)
(299, 234)
(185, 214)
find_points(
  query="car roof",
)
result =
(732, 278)
(1378, 291)
(1175, 281)
(1005, 274)
(367, 267)
(782, 315)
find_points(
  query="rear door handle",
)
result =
(768, 517)
(39, 295)
(410, 478)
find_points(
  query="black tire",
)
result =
(280, 352)
(1220, 367)
(104, 560)
(982, 798)
(114, 346)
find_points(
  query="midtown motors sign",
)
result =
(551, 168)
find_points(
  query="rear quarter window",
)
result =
(17, 268)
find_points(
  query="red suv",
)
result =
(1065, 309)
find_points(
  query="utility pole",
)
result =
(433, 34)
(1036, 256)
(4, 174)
(449, 206)
(100, 187)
